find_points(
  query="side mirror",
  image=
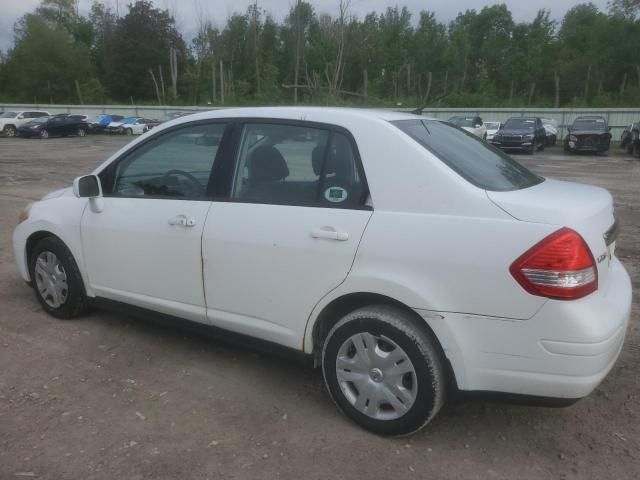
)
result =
(477, 125)
(20, 117)
(87, 187)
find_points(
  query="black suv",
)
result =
(588, 134)
(521, 133)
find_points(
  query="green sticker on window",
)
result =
(335, 194)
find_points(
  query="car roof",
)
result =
(338, 115)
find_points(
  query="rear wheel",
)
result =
(81, 132)
(129, 132)
(56, 279)
(384, 371)
(10, 131)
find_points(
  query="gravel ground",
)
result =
(113, 397)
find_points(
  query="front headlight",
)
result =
(24, 214)
(528, 137)
(573, 138)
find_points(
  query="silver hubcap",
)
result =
(51, 279)
(376, 376)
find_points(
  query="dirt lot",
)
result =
(113, 397)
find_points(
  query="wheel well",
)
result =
(338, 308)
(33, 240)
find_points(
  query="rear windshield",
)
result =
(520, 123)
(590, 124)
(475, 160)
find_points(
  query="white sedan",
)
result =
(473, 125)
(129, 126)
(405, 256)
(492, 129)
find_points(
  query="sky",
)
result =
(186, 11)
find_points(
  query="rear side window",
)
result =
(296, 165)
(475, 160)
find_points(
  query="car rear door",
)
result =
(288, 232)
(143, 245)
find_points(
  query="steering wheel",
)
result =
(197, 186)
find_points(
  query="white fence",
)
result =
(618, 118)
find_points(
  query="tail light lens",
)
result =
(561, 266)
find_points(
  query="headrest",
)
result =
(266, 164)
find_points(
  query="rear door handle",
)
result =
(330, 233)
(183, 221)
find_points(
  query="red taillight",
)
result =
(560, 266)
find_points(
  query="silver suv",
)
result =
(11, 121)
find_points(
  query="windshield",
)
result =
(129, 120)
(462, 121)
(520, 124)
(492, 125)
(9, 115)
(589, 124)
(548, 121)
(39, 120)
(473, 159)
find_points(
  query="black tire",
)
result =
(76, 300)
(541, 146)
(128, 132)
(44, 134)
(10, 131)
(81, 132)
(421, 348)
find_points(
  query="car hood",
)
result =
(516, 131)
(588, 132)
(55, 194)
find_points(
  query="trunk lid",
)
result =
(584, 208)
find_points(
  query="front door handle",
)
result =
(182, 221)
(330, 233)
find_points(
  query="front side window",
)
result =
(177, 165)
(296, 165)
(475, 160)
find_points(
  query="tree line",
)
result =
(483, 58)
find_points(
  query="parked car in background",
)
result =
(551, 127)
(101, 122)
(629, 137)
(452, 267)
(588, 134)
(492, 129)
(633, 147)
(56, 126)
(129, 126)
(472, 125)
(11, 121)
(173, 115)
(521, 133)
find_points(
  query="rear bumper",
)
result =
(564, 351)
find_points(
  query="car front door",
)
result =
(288, 232)
(142, 246)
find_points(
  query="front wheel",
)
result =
(44, 134)
(129, 132)
(384, 370)
(56, 279)
(81, 132)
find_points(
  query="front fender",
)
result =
(60, 216)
